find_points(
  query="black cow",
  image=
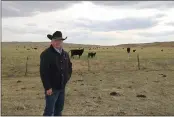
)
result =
(162, 50)
(134, 50)
(91, 54)
(128, 50)
(76, 52)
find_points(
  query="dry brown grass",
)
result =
(88, 92)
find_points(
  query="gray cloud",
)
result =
(118, 24)
(170, 23)
(31, 24)
(27, 8)
(137, 4)
(115, 3)
(159, 34)
(160, 15)
(25, 30)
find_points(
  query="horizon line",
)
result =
(84, 44)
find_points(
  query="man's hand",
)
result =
(49, 92)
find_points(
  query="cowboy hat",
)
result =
(56, 36)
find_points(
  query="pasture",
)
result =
(110, 85)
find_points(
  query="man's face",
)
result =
(57, 43)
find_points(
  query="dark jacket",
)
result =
(55, 68)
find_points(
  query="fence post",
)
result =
(138, 61)
(88, 65)
(128, 56)
(26, 69)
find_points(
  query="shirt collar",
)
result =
(58, 50)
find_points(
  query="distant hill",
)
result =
(155, 44)
(37, 44)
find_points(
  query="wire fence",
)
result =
(29, 65)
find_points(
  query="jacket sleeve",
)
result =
(44, 71)
(69, 66)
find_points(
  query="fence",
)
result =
(29, 65)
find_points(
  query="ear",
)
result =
(49, 36)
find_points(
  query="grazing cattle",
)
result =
(76, 52)
(134, 50)
(91, 54)
(28, 49)
(162, 50)
(35, 48)
(128, 50)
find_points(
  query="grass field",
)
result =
(88, 91)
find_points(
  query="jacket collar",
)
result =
(53, 50)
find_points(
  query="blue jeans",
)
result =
(54, 103)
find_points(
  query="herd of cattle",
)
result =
(128, 50)
(79, 52)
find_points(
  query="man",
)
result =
(55, 72)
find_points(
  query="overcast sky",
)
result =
(89, 22)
